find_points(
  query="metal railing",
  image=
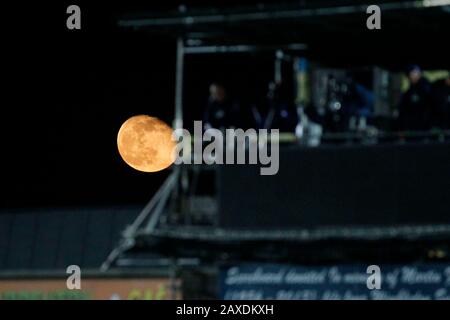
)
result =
(151, 213)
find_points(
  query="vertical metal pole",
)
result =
(178, 121)
(278, 77)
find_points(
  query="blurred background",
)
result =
(364, 171)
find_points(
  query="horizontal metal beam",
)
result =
(224, 235)
(270, 15)
(240, 48)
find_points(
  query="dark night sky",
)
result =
(66, 94)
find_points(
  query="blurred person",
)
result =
(415, 103)
(440, 92)
(360, 100)
(357, 103)
(281, 113)
(221, 112)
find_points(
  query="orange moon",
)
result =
(146, 143)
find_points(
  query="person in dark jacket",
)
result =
(415, 104)
(220, 112)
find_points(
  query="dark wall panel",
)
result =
(22, 241)
(48, 236)
(332, 186)
(5, 234)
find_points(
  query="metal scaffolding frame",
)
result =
(151, 214)
(153, 210)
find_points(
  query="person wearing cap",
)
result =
(415, 104)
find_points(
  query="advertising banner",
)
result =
(91, 289)
(336, 282)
